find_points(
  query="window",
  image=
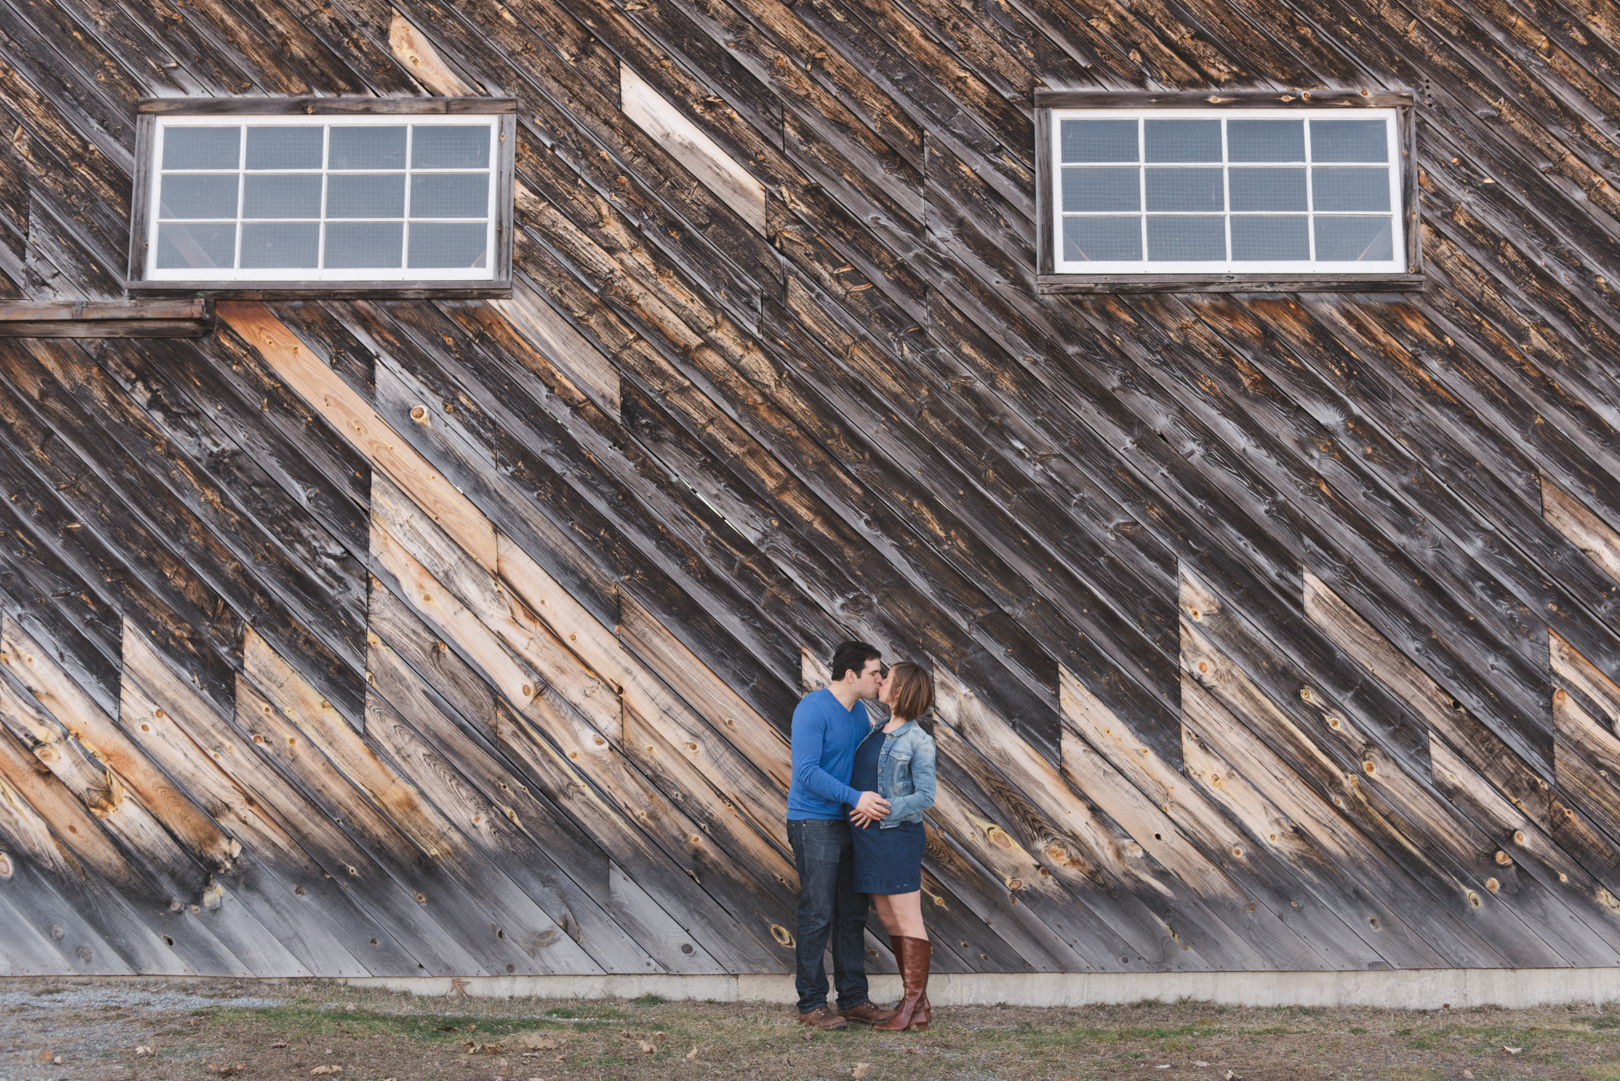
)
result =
(325, 195)
(1226, 192)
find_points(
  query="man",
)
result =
(827, 726)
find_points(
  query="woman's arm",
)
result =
(922, 782)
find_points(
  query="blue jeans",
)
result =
(828, 905)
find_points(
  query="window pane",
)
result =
(1354, 240)
(450, 195)
(1350, 189)
(1349, 140)
(1101, 189)
(446, 147)
(1102, 239)
(1183, 140)
(364, 244)
(278, 244)
(443, 245)
(1099, 140)
(181, 246)
(1270, 238)
(1268, 189)
(1191, 190)
(1265, 140)
(201, 148)
(208, 196)
(1176, 240)
(377, 195)
(275, 196)
(284, 148)
(367, 147)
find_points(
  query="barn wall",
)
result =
(375, 638)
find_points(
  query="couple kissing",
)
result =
(855, 806)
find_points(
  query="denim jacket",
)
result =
(905, 771)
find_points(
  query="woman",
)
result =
(897, 762)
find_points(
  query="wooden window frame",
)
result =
(1047, 281)
(148, 110)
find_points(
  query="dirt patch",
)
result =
(164, 1032)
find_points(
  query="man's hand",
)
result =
(871, 808)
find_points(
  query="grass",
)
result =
(376, 1035)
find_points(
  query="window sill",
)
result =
(1229, 283)
(355, 290)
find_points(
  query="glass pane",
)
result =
(1183, 140)
(181, 246)
(441, 245)
(367, 147)
(1098, 140)
(1350, 189)
(208, 196)
(1177, 240)
(1268, 189)
(1272, 239)
(1101, 189)
(280, 244)
(450, 195)
(376, 195)
(447, 147)
(284, 148)
(1265, 140)
(295, 196)
(1190, 190)
(364, 244)
(1102, 239)
(1349, 140)
(201, 148)
(1354, 240)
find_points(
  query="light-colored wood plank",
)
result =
(1091, 729)
(1580, 674)
(313, 378)
(86, 722)
(1120, 864)
(350, 907)
(1322, 848)
(422, 60)
(586, 367)
(1584, 529)
(693, 148)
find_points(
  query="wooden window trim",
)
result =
(149, 109)
(1047, 281)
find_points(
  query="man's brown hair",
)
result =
(913, 691)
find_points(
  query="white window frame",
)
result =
(1058, 275)
(164, 115)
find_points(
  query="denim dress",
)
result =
(888, 856)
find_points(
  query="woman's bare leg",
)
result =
(901, 913)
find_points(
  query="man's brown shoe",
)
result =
(867, 1013)
(822, 1018)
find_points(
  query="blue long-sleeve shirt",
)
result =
(825, 735)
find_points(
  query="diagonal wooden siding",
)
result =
(461, 637)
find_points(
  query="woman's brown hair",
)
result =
(913, 691)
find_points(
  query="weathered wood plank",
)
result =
(1091, 729)
(359, 423)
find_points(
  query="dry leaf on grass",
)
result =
(325, 1069)
(1200, 1063)
(143, 1050)
(1512, 1050)
(1233, 1075)
(45, 1055)
(537, 1040)
(648, 1049)
(227, 1070)
(692, 1054)
(1468, 1075)
(279, 1043)
(860, 1070)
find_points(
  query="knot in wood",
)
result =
(1518, 837)
(1492, 885)
(1502, 857)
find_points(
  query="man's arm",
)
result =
(809, 738)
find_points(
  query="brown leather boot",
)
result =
(913, 1013)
